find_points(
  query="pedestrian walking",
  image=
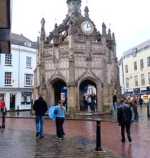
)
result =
(3, 111)
(60, 118)
(135, 110)
(140, 102)
(114, 98)
(40, 108)
(124, 116)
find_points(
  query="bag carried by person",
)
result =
(52, 112)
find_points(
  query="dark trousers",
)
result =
(3, 119)
(136, 116)
(59, 127)
(127, 128)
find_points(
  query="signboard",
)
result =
(5, 26)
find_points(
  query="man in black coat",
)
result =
(124, 117)
(40, 108)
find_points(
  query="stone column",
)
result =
(50, 94)
(99, 98)
(72, 99)
(107, 98)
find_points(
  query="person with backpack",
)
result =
(124, 117)
(40, 108)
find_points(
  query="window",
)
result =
(141, 64)
(136, 80)
(28, 44)
(8, 59)
(142, 80)
(148, 61)
(135, 65)
(149, 78)
(127, 82)
(28, 79)
(126, 68)
(8, 78)
(28, 62)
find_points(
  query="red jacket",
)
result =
(2, 104)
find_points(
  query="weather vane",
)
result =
(86, 2)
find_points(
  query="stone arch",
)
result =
(57, 90)
(99, 89)
(88, 95)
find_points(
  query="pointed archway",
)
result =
(60, 91)
(88, 96)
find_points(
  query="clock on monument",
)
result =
(87, 27)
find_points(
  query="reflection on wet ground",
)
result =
(23, 144)
(18, 138)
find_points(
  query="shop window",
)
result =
(26, 98)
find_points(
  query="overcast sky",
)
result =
(128, 19)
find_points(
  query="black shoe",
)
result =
(123, 140)
(130, 140)
(37, 134)
(40, 137)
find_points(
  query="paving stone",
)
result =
(23, 144)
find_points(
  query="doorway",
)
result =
(12, 101)
(60, 91)
(88, 96)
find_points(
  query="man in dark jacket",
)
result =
(40, 108)
(124, 116)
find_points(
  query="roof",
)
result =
(138, 48)
(20, 39)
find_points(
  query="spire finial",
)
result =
(103, 29)
(42, 37)
(86, 11)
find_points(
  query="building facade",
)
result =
(16, 73)
(77, 63)
(135, 70)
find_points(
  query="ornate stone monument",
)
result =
(77, 63)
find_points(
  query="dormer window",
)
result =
(28, 44)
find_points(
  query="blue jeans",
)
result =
(39, 125)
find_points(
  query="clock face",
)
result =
(87, 27)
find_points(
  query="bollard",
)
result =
(148, 114)
(98, 136)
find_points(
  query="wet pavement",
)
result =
(18, 139)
